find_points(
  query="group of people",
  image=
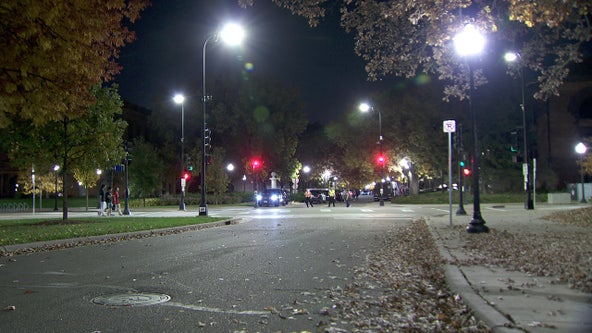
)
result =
(347, 196)
(109, 201)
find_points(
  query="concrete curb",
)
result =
(458, 284)
(109, 238)
(494, 319)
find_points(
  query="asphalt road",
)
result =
(272, 271)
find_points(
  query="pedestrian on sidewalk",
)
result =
(102, 200)
(108, 198)
(116, 203)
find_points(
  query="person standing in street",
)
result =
(331, 198)
(347, 197)
(307, 198)
(102, 200)
(116, 204)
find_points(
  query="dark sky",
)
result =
(166, 58)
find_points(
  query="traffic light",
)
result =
(186, 175)
(207, 138)
(461, 163)
(515, 146)
(256, 164)
(466, 172)
(381, 160)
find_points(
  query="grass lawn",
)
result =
(35, 230)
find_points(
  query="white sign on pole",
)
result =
(449, 126)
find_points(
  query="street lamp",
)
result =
(581, 149)
(180, 99)
(365, 107)
(467, 43)
(231, 34)
(306, 170)
(55, 169)
(512, 57)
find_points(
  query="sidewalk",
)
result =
(479, 268)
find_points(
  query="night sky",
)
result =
(166, 57)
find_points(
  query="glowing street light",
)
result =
(55, 169)
(231, 34)
(581, 149)
(180, 99)
(365, 107)
(470, 42)
(529, 204)
(306, 170)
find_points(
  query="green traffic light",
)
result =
(461, 163)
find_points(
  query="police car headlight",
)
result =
(274, 197)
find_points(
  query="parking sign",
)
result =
(449, 126)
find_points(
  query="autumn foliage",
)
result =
(53, 52)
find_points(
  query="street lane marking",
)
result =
(215, 310)
(497, 209)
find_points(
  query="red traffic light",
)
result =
(256, 164)
(186, 175)
(466, 172)
(381, 160)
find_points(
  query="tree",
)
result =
(54, 52)
(44, 182)
(352, 148)
(587, 161)
(145, 171)
(264, 120)
(87, 176)
(405, 37)
(217, 179)
(84, 143)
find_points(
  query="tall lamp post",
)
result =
(180, 99)
(470, 42)
(512, 57)
(126, 210)
(365, 107)
(55, 169)
(306, 170)
(231, 34)
(581, 149)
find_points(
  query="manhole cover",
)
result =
(140, 299)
